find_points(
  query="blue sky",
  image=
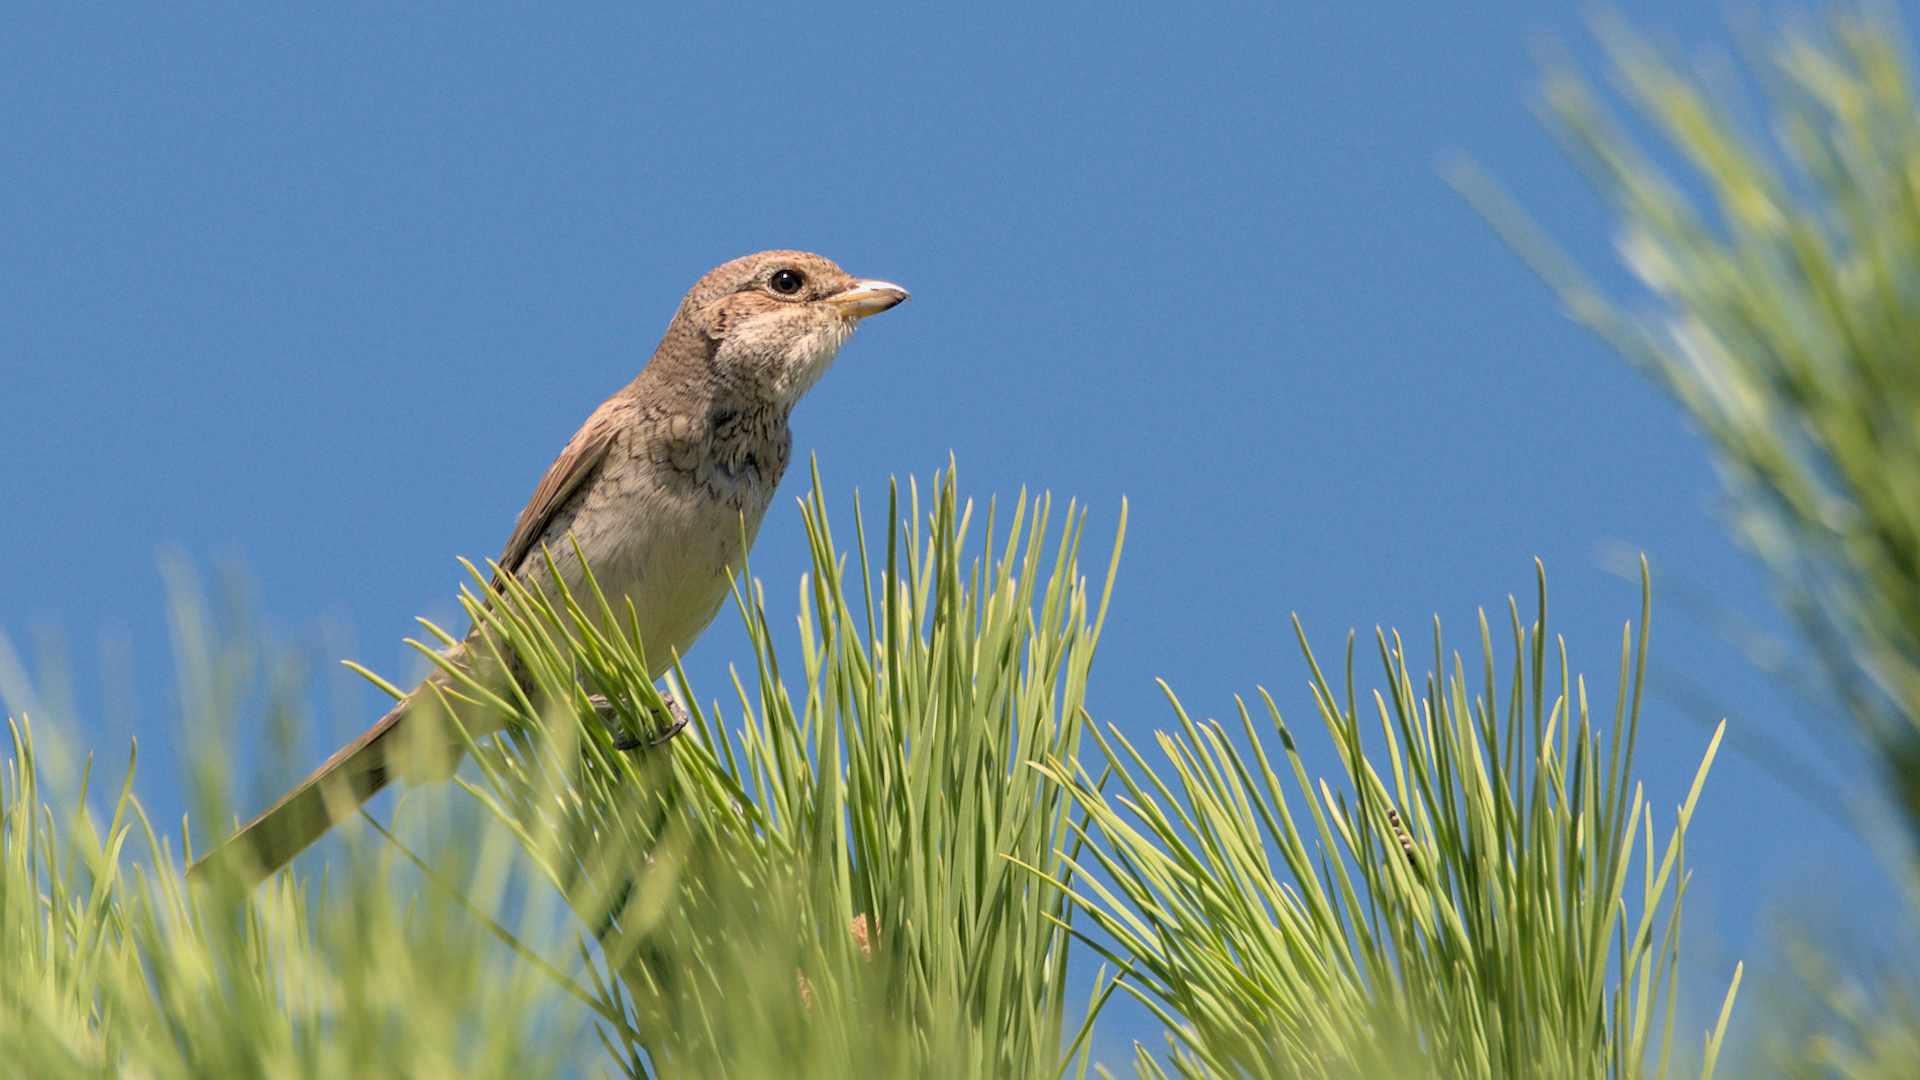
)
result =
(320, 291)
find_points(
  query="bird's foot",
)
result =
(675, 718)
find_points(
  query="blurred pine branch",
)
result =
(1784, 270)
(112, 967)
(1788, 327)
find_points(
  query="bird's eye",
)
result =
(786, 282)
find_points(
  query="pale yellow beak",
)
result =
(866, 298)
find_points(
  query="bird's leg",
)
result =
(675, 719)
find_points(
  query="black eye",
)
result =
(786, 282)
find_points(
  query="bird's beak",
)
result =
(865, 298)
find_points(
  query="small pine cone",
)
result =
(1400, 834)
(860, 934)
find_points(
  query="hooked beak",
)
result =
(865, 298)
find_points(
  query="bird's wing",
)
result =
(576, 463)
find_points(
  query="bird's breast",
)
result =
(671, 537)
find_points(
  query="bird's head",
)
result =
(772, 323)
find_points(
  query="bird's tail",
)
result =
(332, 794)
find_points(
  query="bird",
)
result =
(661, 492)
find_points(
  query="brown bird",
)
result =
(660, 489)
